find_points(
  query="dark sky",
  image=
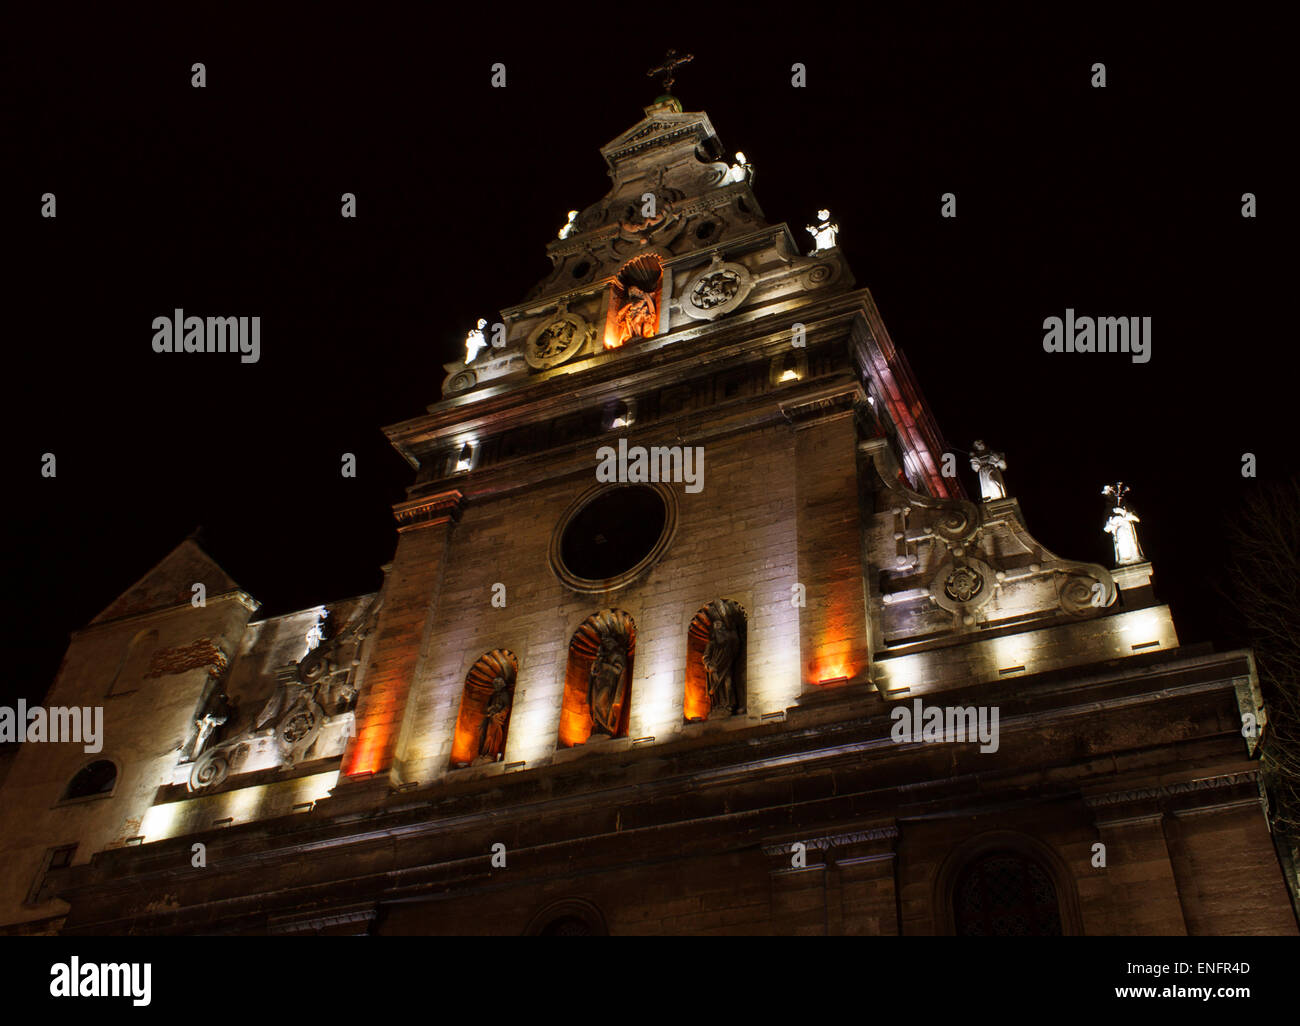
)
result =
(225, 200)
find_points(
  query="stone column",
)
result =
(1139, 872)
(411, 593)
(833, 640)
(845, 886)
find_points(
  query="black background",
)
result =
(226, 201)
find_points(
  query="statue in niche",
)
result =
(492, 733)
(475, 340)
(723, 657)
(824, 232)
(637, 317)
(607, 683)
(1120, 526)
(989, 465)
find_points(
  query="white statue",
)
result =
(740, 171)
(1120, 526)
(824, 233)
(317, 631)
(571, 227)
(475, 340)
(989, 465)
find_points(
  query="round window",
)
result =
(611, 535)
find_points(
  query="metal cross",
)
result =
(669, 65)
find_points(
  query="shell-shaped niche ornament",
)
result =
(557, 340)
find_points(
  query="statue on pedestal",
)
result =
(823, 233)
(1120, 526)
(475, 340)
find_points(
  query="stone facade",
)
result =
(350, 791)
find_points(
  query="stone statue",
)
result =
(637, 318)
(572, 225)
(740, 171)
(475, 340)
(607, 684)
(317, 632)
(824, 233)
(719, 661)
(990, 465)
(492, 733)
(216, 714)
(1120, 526)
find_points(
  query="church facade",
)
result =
(691, 627)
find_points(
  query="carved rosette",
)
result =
(962, 585)
(716, 290)
(557, 340)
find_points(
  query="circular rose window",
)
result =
(612, 534)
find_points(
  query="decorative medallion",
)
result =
(963, 586)
(716, 290)
(557, 340)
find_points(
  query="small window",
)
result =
(55, 858)
(96, 779)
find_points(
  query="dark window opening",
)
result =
(613, 533)
(97, 778)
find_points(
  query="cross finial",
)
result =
(670, 64)
(1116, 492)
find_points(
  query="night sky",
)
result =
(225, 200)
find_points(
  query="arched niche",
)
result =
(133, 664)
(485, 706)
(716, 654)
(598, 679)
(634, 302)
(1024, 870)
(570, 917)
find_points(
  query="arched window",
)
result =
(1005, 894)
(485, 706)
(96, 779)
(571, 917)
(598, 679)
